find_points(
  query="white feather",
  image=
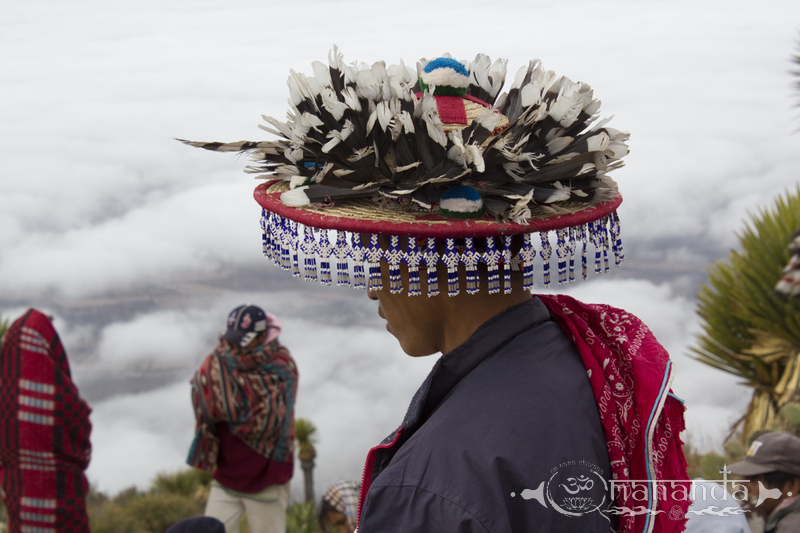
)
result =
(562, 158)
(382, 79)
(386, 111)
(336, 58)
(351, 99)
(558, 144)
(597, 143)
(360, 154)
(322, 73)
(293, 154)
(297, 181)
(428, 112)
(489, 119)
(520, 76)
(373, 117)
(321, 173)
(332, 104)
(473, 154)
(287, 171)
(295, 197)
(337, 137)
(408, 167)
(367, 86)
(617, 150)
(282, 128)
(561, 194)
(481, 69)
(520, 213)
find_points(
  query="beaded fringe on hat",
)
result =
(358, 263)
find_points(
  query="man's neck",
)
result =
(465, 313)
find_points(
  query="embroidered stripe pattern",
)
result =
(37, 529)
(38, 403)
(36, 419)
(39, 503)
(42, 461)
(34, 386)
(34, 517)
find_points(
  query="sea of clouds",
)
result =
(140, 245)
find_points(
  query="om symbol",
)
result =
(578, 484)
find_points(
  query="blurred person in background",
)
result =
(44, 431)
(243, 396)
(772, 464)
(338, 511)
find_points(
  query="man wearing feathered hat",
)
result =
(446, 200)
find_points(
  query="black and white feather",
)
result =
(361, 131)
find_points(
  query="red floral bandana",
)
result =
(630, 374)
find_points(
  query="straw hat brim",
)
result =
(364, 216)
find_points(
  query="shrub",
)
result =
(301, 518)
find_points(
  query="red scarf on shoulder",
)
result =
(630, 374)
(44, 431)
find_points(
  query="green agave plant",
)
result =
(748, 331)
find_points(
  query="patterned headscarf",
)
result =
(44, 431)
(343, 497)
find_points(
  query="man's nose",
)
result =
(372, 294)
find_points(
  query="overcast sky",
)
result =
(100, 207)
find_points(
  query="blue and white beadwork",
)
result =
(284, 241)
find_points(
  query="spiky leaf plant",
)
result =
(4, 324)
(748, 331)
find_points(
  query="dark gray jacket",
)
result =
(507, 415)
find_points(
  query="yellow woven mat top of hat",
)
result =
(363, 209)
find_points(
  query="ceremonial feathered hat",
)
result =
(452, 171)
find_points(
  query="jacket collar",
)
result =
(453, 366)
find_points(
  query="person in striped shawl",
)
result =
(243, 396)
(44, 431)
